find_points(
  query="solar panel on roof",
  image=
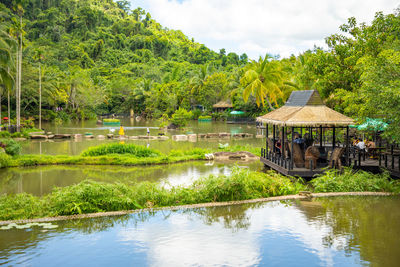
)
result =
(304, 98)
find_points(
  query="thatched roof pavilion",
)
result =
(300, 155)
(305, 108)
(222, 105)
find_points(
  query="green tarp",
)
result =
(371, 125)
(235, 112)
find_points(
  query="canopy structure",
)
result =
(371, 125)
(305, 108)
(236, 112)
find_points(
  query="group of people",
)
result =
(297, 139)
(363, 145)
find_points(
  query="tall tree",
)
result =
(38, 56)
(263, 79)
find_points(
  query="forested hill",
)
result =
(101, 56)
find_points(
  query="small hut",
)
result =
(306, 136)
(221, 106)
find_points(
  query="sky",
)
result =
(257, 27)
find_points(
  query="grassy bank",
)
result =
(89, 196)
(110, 154)
(115, 154)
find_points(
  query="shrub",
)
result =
(206, 117)
(5, 134)
(4, 159)
(181, 117)
(11, 146)
(354, 181)
(131, 149)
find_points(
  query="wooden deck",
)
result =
(358, 162)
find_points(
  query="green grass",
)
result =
(354, 181)
(111, 154)
(250, 148)
(89, 196)
(131, 149)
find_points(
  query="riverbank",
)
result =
(194, 206)
(94, 197)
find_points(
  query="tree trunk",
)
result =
(20, 78)
(40, 97)
(269, 104)
(9, 111)
(16, 80)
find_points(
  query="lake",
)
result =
(338, 231)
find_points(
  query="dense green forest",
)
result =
(101, 57)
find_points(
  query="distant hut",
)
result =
(221, 106)
(308, 123)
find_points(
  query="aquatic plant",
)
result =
(354, 181)
(89, 196)
(131, 149)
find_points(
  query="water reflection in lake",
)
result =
(40, 180)
(346, 231)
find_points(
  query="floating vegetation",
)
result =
(28, 225)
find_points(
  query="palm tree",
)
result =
(6, 60)
(263, 79)
(196, 83)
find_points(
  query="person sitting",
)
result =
(298, 140)
(360, 144)
(355, 141)
(278, 146)
(370, 148)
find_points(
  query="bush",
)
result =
(131, 149)
(351, 181)
(11, 146)
(5, 134)
(4, 159)
(181, 117)
(206, 117)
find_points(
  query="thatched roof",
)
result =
(223, 104)
(305, 108)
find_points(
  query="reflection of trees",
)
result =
(233, 217)
(370, 225)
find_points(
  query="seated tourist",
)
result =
(360, 145)
(278, 146)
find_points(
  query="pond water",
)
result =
(133, 127)
(341, 231)
(41, 180)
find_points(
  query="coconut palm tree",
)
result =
(6, 61)
(263, 79)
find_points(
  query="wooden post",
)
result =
(273, 136)
(283, 142)
(291, 152)
(320, 136)
(347, 146)
(333, 139)
(266, 139)
(391, 153)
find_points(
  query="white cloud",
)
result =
(258, 26)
